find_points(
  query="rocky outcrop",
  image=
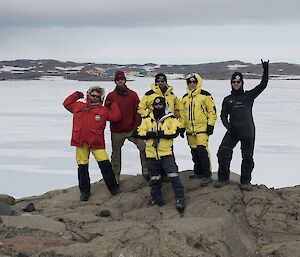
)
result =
(224, 222)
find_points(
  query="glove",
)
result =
(181, 132)
(209, 130)
(80, 94)
(234, 132)
(265, 65)
(135, 134)
(151, 134)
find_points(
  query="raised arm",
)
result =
(71, 100)
(264, 81)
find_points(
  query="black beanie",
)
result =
(159, 100)
(237, 76)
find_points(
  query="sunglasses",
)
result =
(160, 81)
(98, 96)
(236, 81)
(191, 81)
(118, 79)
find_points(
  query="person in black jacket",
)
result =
(240, 127)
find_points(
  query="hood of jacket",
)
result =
(197, 90)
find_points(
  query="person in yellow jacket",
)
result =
(198, 121)
(159, 88)
(159, 129)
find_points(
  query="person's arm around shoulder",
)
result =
(264, 81)
(72, 99)
(108, 100)
(114, 113)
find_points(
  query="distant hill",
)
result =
(34, 69)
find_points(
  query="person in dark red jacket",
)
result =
(125, 128)
(89, 120)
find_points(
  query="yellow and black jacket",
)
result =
(198, 110)
(160, 142)
(172, 101)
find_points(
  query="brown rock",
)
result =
(7, 199)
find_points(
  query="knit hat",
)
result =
(191, 78)
(120, 75)
(237, 76)
(159, 100)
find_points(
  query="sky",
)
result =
(159, 31)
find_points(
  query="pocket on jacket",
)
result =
(76, 135)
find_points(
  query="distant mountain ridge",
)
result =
(34, 69)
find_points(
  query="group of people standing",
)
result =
(153, 123)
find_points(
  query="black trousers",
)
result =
(168, 164)
(225, 155)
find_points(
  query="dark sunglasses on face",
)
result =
(160, 81)
(97, 96)
(118, 79)
(236, 81)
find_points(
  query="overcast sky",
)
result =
(138, 31)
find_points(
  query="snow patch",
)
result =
(236, 66)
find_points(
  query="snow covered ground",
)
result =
(35, 155)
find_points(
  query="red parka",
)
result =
(128, 104)
(89, 121)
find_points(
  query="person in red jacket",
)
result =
(125, 128)
(89, 120)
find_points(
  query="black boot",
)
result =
(109, 177)
(84, 182)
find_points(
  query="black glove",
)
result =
(181, 132)
(234, 132)
(209, 130)
(135, 134)
(151, 134)
(80, 95)
(265, 65)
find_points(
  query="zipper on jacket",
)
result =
(157, 141)
(192, 112)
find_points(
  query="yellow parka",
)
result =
(146, 104)
(168, 125)
(198, 109)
